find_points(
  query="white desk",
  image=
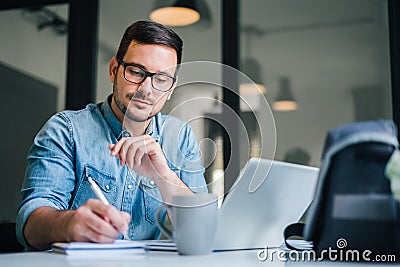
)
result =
(162, 259)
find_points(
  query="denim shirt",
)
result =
(73, 145)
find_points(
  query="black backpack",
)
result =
(353, 212)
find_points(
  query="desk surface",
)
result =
(225, 259)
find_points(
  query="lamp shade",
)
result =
(251, 68)
(182, 13)
(285, 100)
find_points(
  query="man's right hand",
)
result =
(92, 222)
(96, 222)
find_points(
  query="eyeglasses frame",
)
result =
(147, 74)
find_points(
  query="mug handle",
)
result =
(159, 221)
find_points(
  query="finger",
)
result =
(82, 233)
(100, 227)
(154, 151)
(108, 211)
(139, 155)
(97, 208)
(137, 150)
(111, 146)
(116, 147)
(130, 155)
(125, 147)
(126, 216)
(93, 236)
(94, 224)
(146, 149)
(129, 149)
(123, 150)
(87, 234)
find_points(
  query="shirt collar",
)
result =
(117, 128)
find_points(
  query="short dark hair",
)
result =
(149, 32)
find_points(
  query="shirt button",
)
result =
(130, 186)
(107, 187)
(126, 134)
(151, 182)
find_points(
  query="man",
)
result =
(137, 156)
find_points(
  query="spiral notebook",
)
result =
(95, 250)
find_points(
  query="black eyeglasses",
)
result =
(136, 74)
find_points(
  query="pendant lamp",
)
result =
(181, 13)
(285, 100)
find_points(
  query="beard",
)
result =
(131, 111)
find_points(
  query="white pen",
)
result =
(97, 191)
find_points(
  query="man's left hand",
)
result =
(143, 155)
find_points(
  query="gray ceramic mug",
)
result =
(195, 221)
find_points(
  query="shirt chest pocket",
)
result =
(106, 182)
(152, 196)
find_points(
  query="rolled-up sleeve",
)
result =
(49, 177)
(192, 170)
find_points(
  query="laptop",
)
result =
(267, 196)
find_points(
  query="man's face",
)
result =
(140, 102)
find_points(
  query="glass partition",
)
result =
(321, 63)
(33, 63)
